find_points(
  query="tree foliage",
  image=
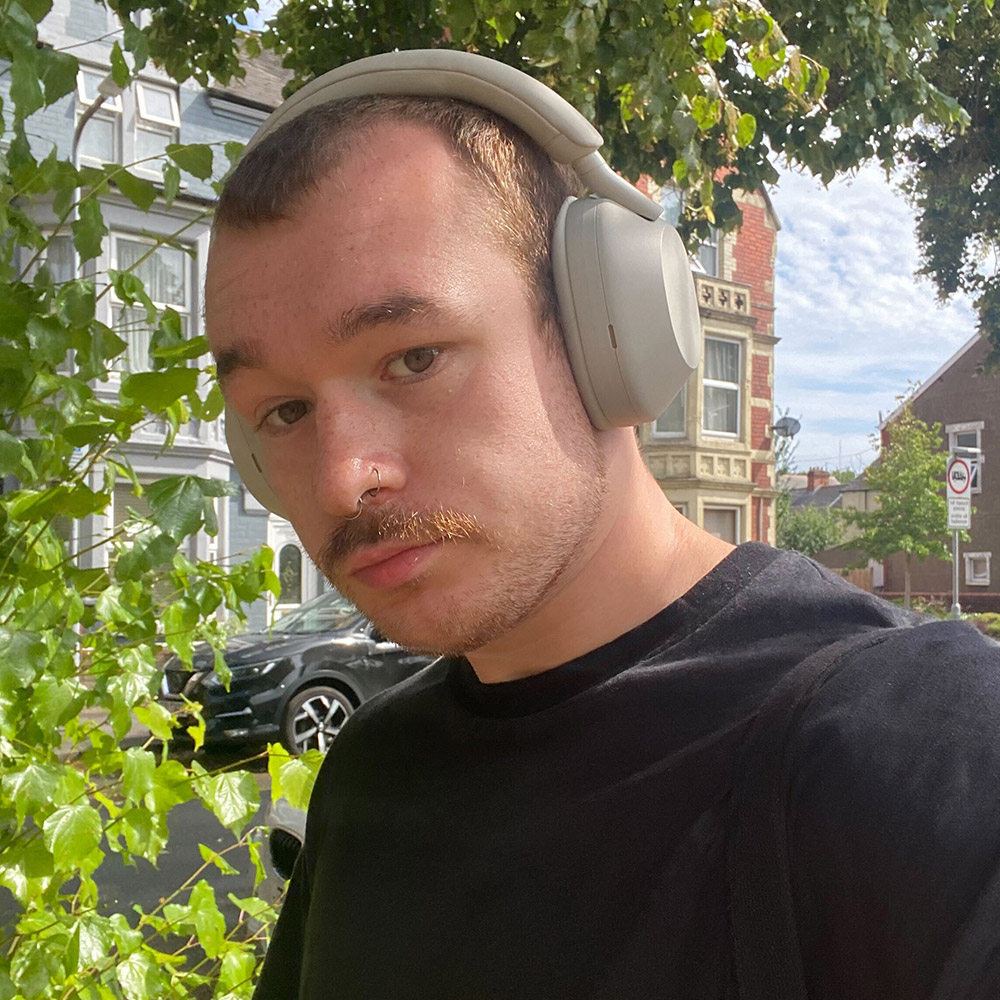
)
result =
(809, 530)
(953, 179)
(79, 637)
(703, 93)
(912, 513)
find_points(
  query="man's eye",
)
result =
(285, 414)
(412, 362)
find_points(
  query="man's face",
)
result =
(384, 327)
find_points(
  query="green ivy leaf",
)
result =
(77, 302)
(209, 924)
(136, 43)
(34, 785)
(71, 833)
(138, 768)
(158, 390)
(236, 970)
(58, 72)
(36, 9)
(138, 190)
(157, 719)
(89, 229)
(119, 68)
(746, 129)
(139, 977)
(216, 859)
(12, 454)
(171, 183)
(25, 90)
(232, 796)
(196, 159)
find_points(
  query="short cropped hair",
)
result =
(523, 188)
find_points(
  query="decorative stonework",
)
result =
(723, 296)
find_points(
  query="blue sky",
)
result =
(855, 323)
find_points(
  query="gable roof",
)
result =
(928, 382)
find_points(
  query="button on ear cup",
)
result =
(628, 309)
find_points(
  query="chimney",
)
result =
(815, 478)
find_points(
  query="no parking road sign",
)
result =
(959, 479)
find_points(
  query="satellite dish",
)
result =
(787, 427)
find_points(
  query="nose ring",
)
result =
(361, 499)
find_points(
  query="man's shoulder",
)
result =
(893, 812)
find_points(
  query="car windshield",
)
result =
(326, 613)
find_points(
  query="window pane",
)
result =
(97, 140)
(967, 439)
(672, 202)
(158, 103)
(672, 419)
(150, 143)
(721, 410)
(60, 258)
(290, 574)
(132, 326)
(164, 272)
(89, 80)
(721, 522)
(708, 255)
(722, 360)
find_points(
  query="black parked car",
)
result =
(297, 682)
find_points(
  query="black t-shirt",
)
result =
(562, 837)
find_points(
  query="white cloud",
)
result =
(856, 324)
(267, 9)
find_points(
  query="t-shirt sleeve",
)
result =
(280, 975)
(894, 820)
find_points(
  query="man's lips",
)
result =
(372, 555)
(390, 565)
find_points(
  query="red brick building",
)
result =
(712, 452)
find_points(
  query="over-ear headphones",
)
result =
(626, 296)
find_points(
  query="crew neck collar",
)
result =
(529, 695)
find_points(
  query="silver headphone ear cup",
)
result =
(240, 440)
(629, 311)
(569, 320)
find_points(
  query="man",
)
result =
(546, 812)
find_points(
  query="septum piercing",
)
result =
(373, 492)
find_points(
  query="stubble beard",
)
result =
(525, 569)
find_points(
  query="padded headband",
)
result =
(540, 112)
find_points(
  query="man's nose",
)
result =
(355, 464)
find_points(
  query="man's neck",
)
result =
(646, 556)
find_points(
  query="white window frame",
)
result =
(737, 386)
(971, 427)
(682, 433)
(111, 111)
(110, 103)
(737, 519)
(971, 580)
(167, 128)
(672, 201)
(174, 121)
(127, 361)
(713, 244)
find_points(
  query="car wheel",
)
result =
(313, 719)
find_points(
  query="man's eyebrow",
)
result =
(400, 307)
(242, 354)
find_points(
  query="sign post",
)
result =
(959, 479)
